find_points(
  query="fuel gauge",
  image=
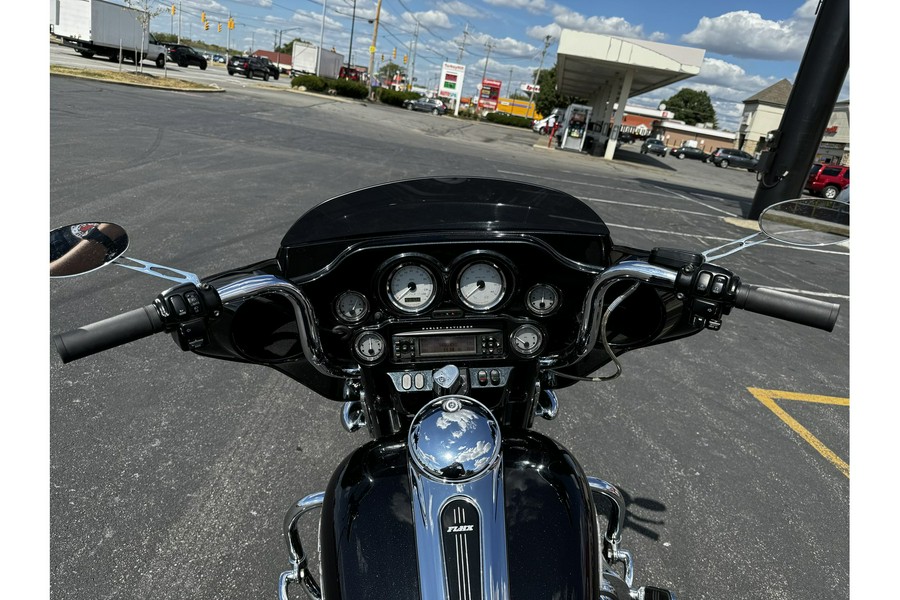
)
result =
(527, 340)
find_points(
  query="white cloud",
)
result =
(542, 31)
(431, 18)
(532, 6)
(746, 34)
(461, 9)
(564, 18)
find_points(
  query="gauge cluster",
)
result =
(476, 283)
(426, 303)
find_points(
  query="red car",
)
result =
(827, 180)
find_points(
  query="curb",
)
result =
(135, 84)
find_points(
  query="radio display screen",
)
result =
(448, 345)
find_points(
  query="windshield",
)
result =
(466, 204)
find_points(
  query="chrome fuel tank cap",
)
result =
(454, 438)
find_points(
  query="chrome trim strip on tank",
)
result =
(486, 494)
(444, 466)
(248, 287)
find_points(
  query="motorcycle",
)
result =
(445, 315)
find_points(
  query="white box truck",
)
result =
(305, 58)
(102, 28)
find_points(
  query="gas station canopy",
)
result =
(606, 71)
(588, 61)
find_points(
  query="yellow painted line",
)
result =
(769, 397)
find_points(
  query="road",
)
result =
(170, 474)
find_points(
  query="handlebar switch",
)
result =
(191, 335)
(184, 310)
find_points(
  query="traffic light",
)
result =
(173, 9)
(203, 17)
(230, 22)
(404, 59)
(206, 25)
(382, 58)
(394, 54)
(220, 28)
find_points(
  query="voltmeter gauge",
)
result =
(481, 285)
(369, 346)
(527, 340)
(542, 299)
(351, 307)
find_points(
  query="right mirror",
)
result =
(807, 222)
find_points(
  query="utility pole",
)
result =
(412, 62)
(509, 84)
(321, 40)
(489, 47)
(180, 12)
(372, 48)
(462, 48)
(537, 73)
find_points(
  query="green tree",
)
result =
(288, 48)
(387, 71)
(692, 107)
(549, 98)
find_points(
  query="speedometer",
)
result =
(481, 285)
(411, 288)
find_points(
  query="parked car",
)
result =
(653, 146)
(545, 125)
(432, 105)
(683, 152)
(827, 180)
(273, 70)
(625, 137)
(218, 58)
(732, 157)
(249, 67)
(185, 56)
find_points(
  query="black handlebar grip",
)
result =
(108, 333)
(790, 307)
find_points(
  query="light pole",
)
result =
(352, 26)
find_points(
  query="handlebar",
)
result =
(108, 333)
(787, 306)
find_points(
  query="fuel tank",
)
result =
(368, 531)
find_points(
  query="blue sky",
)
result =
(749, 45)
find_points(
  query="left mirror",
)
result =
(84, 247)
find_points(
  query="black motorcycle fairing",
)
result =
(449, 205)
(369, 552)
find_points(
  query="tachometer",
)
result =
(481, 285)
(411, 288)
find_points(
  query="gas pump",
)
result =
(574, 124)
